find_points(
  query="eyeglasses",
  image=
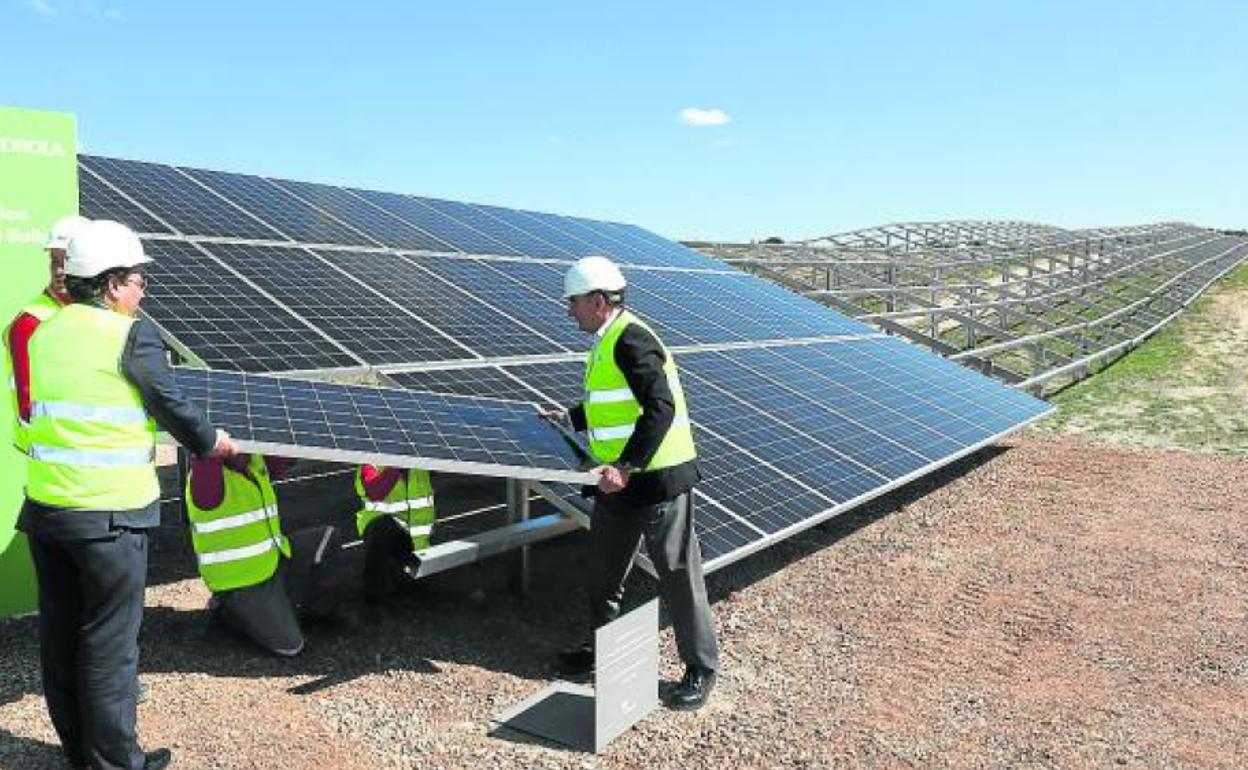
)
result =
(137, 280)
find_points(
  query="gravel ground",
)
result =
(1050, 603)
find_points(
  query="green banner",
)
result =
(38, 185)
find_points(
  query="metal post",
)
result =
(518, 511)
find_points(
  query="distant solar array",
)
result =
(799, 412)
(1035, 306)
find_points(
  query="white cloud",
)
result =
(41, 7)
(114, 14)
(696, 116)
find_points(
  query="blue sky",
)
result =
(813, 117)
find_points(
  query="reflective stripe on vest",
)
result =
(238, 543)
(401, 506)
(116, 415)
(234, 554)
(611, 409)
(237, 520)
(93, 458)
(91, 443)
(410, 502)
(624, 431)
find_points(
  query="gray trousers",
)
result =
(672, 545)
(90, 610)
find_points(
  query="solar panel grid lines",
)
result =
(100, 200)
(664, 252)
(595, 241)
(377, 223)
(443, 224)
(557, 237)
(659, 302)
(547, 229)
(321, 420)
(179, 201)
(224, 320)
(914, 437)
(490, 381)
(527, 290)
(846, 364)
(293, 217)
(797, 411)
(762, 495)
(745, 406)
(479, 219)
(481, 326)
(369, 324)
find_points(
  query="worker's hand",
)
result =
(225, 446)
(611, 478)
(555, 414)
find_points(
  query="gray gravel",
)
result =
(1059, 604)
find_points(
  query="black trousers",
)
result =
(388, 549)
(667, 528)
(308, 583)
(90, 610)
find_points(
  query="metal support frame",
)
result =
(517, 512)
(1026, 303)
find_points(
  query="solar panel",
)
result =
(99, 201)
(559, 244)
(296, 220)
(477, 217)
(381, 226)
(484, 327)
(451, 224)
(351, 423)
(178, 200)
(488, 381)
(226, 323)
(798, 412)
(376, 329)
(521, 289)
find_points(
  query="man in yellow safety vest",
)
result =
(99, 386)
(635, 416)
(261, 580)
(36, 311)
(395, 521)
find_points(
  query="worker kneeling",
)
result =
(261, 580)
(395, 521)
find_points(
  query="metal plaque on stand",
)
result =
(625, 689)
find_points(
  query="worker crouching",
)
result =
(261, 580)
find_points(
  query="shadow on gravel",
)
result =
(468, 616)
(20, 751)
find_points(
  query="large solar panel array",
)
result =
(799, 412)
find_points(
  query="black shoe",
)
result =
(577, 661)
(411, 568)
(694, 689)
(157, 760)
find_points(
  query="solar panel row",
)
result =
(799, 412)
(200, 202)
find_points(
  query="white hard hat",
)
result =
(592, 274)
(103, 245)
(64, 231)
